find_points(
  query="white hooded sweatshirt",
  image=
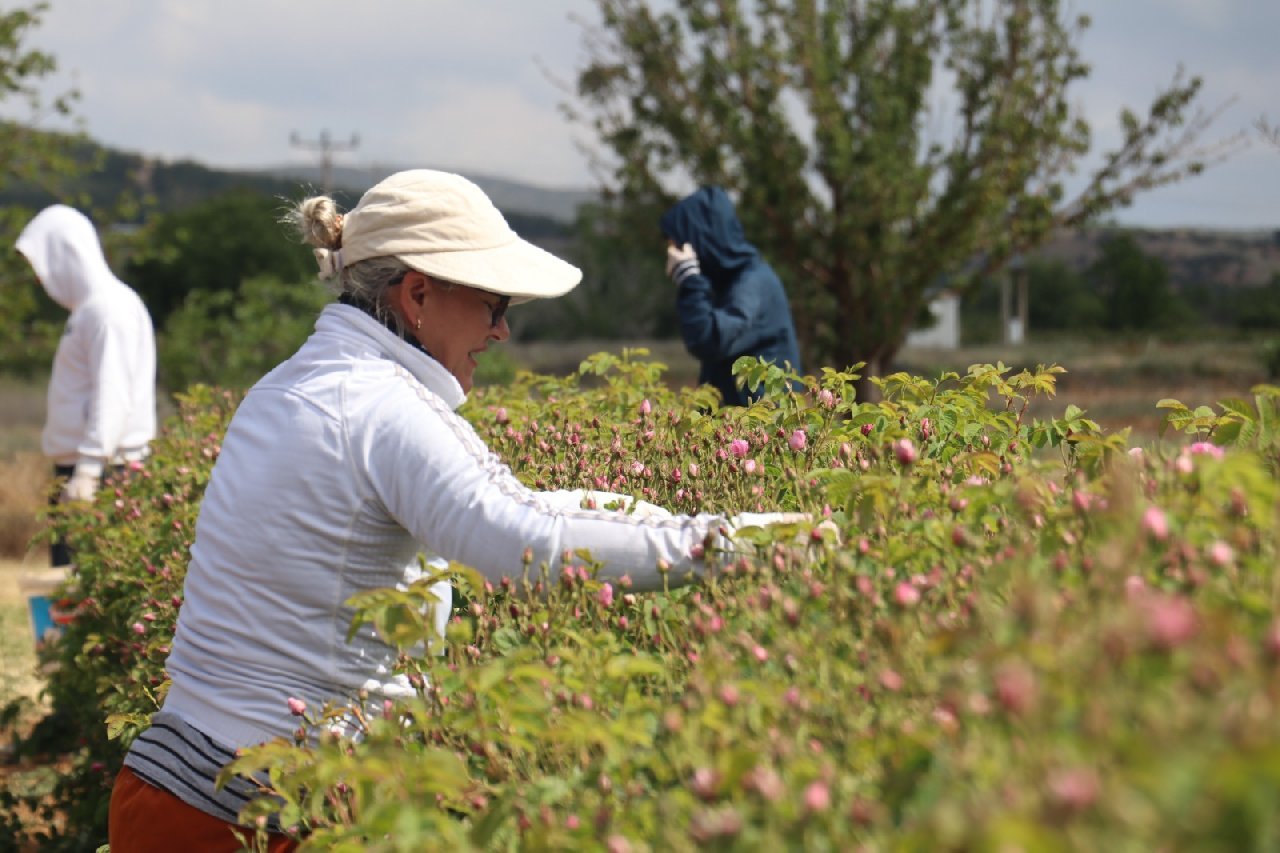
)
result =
(102, 398)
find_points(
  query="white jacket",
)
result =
(338, 468)
(102, 392)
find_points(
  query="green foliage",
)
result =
(871, 195)
(131, 552)
(624, 292)
(1254, 426)
(1004, 633)
(495, 367)
(1135, 287)
(232, 338)
(212, 247)
(30, 330)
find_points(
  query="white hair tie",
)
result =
(329, 261)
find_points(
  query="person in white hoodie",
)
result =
(101, 410)
(338, 471)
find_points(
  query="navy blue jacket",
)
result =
(737, 306)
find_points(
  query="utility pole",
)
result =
(326, 146)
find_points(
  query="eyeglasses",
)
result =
(497, 310)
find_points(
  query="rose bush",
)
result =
(1003, 633)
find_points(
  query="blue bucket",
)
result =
(42, 624)
(47, 618)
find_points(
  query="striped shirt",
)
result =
(178, 758)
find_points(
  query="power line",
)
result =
(326, 146)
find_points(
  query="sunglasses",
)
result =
(497, 310)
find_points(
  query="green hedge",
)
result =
(1010, 634)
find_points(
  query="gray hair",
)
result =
(365, 283)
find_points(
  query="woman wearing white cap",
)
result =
(338, 469)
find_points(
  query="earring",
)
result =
(418, 325)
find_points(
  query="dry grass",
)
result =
(18, 677)
(25, 480)
(1119, 382)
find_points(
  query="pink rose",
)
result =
(1155, 524)
(905, 450)
(1206, 448)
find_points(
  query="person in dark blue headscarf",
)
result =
(730, 301)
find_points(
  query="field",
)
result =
(1118, 385)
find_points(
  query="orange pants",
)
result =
(145, 819)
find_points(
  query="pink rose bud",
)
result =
(739, 447)
(1170, 621)
(606, 595)
(906, 595)
(501, 415)
(798, 440)
(1221, 554)
(138, 628)
(891, 680)
(1016, 687)
(817, 797)
(296, 706)
(749, 466)
(867, 429)
(1207, 449)
(1155, 524)
(905, 451)
(827, 398)
(1081, 500)
(704, 782)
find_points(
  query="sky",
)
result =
(477, 85)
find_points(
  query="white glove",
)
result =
(609, 501)
(82, 486)
(682, 262)
(768, 519)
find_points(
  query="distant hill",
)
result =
(173, 185)
(1194, 257)
(507, 194)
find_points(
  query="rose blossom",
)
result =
(1155, 523)
(1206, 448)
(905, 450)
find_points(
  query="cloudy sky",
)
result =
(474, 85)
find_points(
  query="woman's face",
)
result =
(458, 322)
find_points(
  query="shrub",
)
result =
(232, 338)
(1009, 633)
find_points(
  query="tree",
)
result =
(1059, 299)
(623, 294)
(211, 247)
(1135, 288)
(819, 116)
(29, 155)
